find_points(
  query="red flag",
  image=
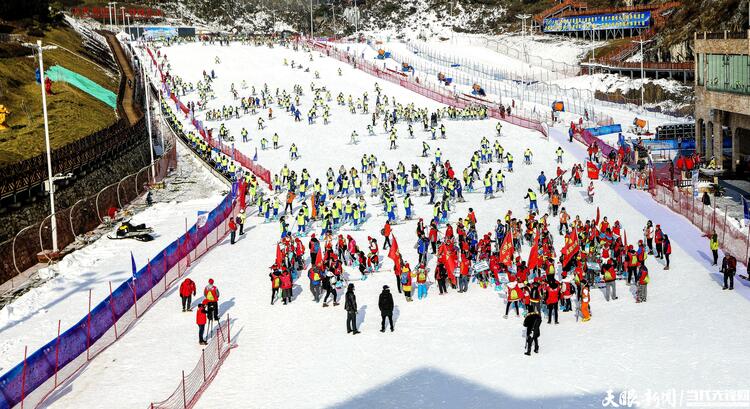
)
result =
(592, 169)
(279, 256)
(506, 249)
(242, 189)
(597, 216)
(393, 254)
(450, 263)
(534, 254)
(571, 247)
(319, 259)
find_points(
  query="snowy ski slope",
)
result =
(447, 351)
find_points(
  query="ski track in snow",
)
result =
(447, 351)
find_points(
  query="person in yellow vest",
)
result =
(713, 243)
(406, 281)
(513, 294)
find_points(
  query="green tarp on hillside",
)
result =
(58, 73)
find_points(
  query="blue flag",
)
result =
(255, 157)
(746, 207)
(132, 262)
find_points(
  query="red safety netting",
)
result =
(709, 219)
(192, 385)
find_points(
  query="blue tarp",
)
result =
(605, 130)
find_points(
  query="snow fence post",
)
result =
(229, 334)
(203, 362)
(57, 351)
(151, 280)
(88, 329)
(135, 299)
(184, 394)
(713, 218)
(23, 376)
(112, 308)
(724, 232)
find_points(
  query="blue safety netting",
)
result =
(44, 363)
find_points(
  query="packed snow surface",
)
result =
(448, 351)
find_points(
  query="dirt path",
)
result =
(132, 113)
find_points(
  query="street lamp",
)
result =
(523, 18)
(110, 5)
(53, 220)
(643, 80)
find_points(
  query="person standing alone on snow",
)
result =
(385, 303)
(350, 305)
(729, 268)
(187, 291)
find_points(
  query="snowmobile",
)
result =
(130, 231)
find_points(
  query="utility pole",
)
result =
(333, 10)
(53, 220)
(643, 79)
(356, 17)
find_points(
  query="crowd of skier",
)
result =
(569, 255)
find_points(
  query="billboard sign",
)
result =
(615, 21)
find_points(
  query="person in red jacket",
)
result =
(286, 287)
(659, 241)
(553, 296)
(666, 250)
(232, 230)
(642, 284)
(187, 291)
(463, 283)
(610, 280)
(200, 320)
(433, 236)
(387, 235)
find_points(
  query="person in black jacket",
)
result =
(385, 303)
(532, 322)
(350, 305)
(729, 268)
